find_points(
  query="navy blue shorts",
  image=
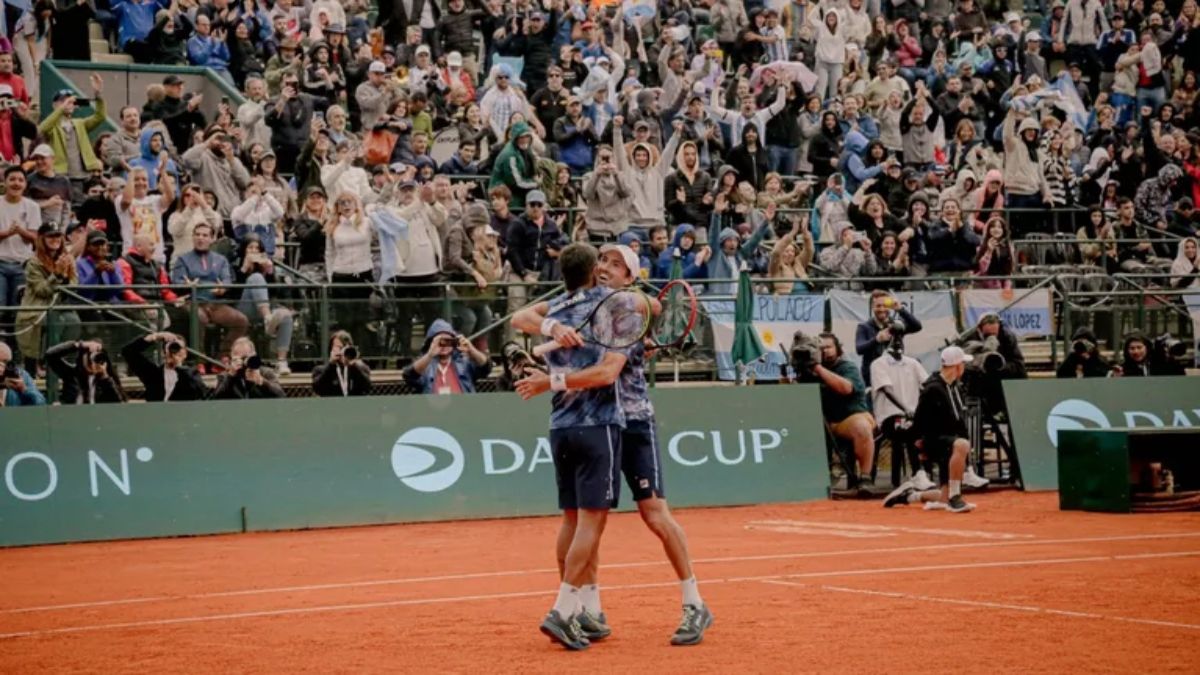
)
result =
(640, 461)
(587, 465)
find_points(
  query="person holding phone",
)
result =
(450, 364)
(17, 387)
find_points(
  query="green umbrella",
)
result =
(747, 347)
(677, 265)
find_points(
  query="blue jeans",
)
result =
(828, 75)
(257, 295)
(1152, 97)
(782, 159)
(12, 277)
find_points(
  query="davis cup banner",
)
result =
(1031, 317)
(935, 310)
(776, 319)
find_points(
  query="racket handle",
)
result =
(545, 348)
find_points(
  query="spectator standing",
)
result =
(688, 190)
(375, 96)
(170, 381)
(141, 211)
(16, 126)
(51, 267)
(74, 156)
(606, 195)
(207, 48)
(951, 243)
(644, 174)
(8, 77)
(215, 167)
(20, 220)
(193, 211)
(51, 191)
(257, 216)
(348, 262)
(180, 116)
(290, 120)
(125, 145)
(69, 41)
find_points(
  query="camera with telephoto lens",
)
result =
(350, 352)
(254, 362)
(986, 353)
(1168, 348)
(1082, 346)
(174, 347)
(805, 352)
(896, 329)
(518, 363)
(99, 358)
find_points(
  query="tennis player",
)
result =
(641, 463)
(585, 429)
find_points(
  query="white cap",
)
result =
(377, 67)
(491, 231)
(423, 48)
(454, 60)
(627, 254)
(1010, 17)
(1033, 36)
(42, 150)
(953, 356)
(6, 90)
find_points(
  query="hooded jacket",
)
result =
(687, 259)
(752, 166)
(149, 161)
(1185, 273)
(607, 201)
(1076, 366)
(692, 209)
(225, 179)
(646, 204)
(1154, 195)
(854, 166)
(720, 265)
(1022, 169)
(467, 371)
(514, 168)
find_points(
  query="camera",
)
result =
(1167, 347)
(254, 362)
(447, 342)
(174, 347)
(350, 352)
(987, 354)
(10, 372)
(1081, 347)
(805, 352)
(99, 358)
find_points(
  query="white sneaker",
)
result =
(973, 480)
(281, 368)
(920, 481)
(936, 506)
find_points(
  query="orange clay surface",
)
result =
(817, 587)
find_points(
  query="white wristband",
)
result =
(548, 325)
(558, 382)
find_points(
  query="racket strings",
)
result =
(675, 318)
(617, 321)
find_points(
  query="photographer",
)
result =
(518, 364)
(873, 336)
(994, 337)
(247, 377)
(1143, 357)
(1136, 357)
(171, 381)
(843, 396)
(92, 378)
(940, 424)
(345, 374)
(16, 386)
(896, 392)
(450, 364)
(1084, 360)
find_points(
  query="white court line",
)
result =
(528, 594)
(844, 529)
(551, 570)
(988, 605)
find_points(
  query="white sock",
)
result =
(691, 592)
(589, 597)
(567, 604)
(955, 488)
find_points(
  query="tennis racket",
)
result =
(624, 318)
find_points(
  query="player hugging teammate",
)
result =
(601, 423)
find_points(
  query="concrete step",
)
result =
(99, 46)
(95, 31)
(112, 58)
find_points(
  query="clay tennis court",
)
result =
(819, 586)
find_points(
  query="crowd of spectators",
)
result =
(469, 141)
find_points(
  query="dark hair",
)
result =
(11, 170)
(879, 293)
(211, 230)
(654, 230)
(837, 344)
(1122, 201)
(342, 336)
(577, 262)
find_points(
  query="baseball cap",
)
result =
(377, 67)
(288, 43)
(491, 231)
(627, 255)
(1010, 17)
(535, 197)
(408, 184)
(641, 124)
(1033, 36)
(42, 150)
(454, 60)
(953, 356)
(175, 79)
(423, 49)
(335, 28)
(49, 229)
(315, 190)
(537, 16)
(95, 237)
(61, 94)
(397, 167)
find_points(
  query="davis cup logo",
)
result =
(419, 459)
(1074, 413)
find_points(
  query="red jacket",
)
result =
(129, 295)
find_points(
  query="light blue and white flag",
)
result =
(776, 319)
